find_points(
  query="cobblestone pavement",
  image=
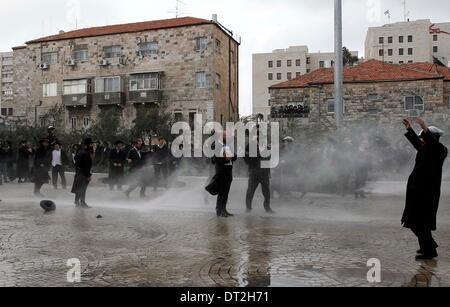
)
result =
(175, 240)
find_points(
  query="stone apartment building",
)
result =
(409, 42)
(374, 91)
(6, 84)
(283, 65)
(188, 65)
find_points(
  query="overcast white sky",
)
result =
(263, 24)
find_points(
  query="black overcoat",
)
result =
(424, 184)
(42, 162)
(83, 165)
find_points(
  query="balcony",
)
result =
(109, 99)
(145, 96)
(77, 100)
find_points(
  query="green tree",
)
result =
(152, 120)
(349, 59)
(108, 126)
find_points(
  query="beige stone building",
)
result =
(283, 65)
(6, 84)
(373, 92)
(189, 65)
(409, 42)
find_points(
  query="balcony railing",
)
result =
(106, 99)
(145, 96)
(77, 100)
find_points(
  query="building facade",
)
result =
(283, 65)
(409, 42)
(373, 92)
(6, 84)
(186, 65)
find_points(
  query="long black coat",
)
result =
(83, 165)
(424, 184)
(23, 158)
(42, 162)
(117, 157)
(137, 162)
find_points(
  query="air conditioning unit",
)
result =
(43, 66)
(71, 62)
(103, 62)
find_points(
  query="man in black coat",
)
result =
(117, 160)
(3, 164)
(424, 187)
(136, 161)
(257, 176)
(83, 175)
(161, 159)
(23, 158)
(42, 162)
(224, 176)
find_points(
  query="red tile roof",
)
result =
(370, 71)
(124, 28)
(432, 68)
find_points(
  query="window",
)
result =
(201, 79)
(73, 122)
(178, 116)
(381, 52)
(218, 82)
(201, 43)
(330, 103)
(4, 112)
(218, 46)
(278, 63)
(401, 51)
(150, 48)
(372, 109)
(410, 61)
(49, 58)
(435, 38)
(401, 39)
(289, 76)
(76, 87)
(297, 62)
(112, 51)
(414, 103)
(279, 76)
(390, 40)
(270, 64)
(308, 71)
(108, 85)
(372, 97)
(435, 49)
(144, 82)
(401, 62)
(7, 92)
(298, 74)
(308, 60)
(81, 55)
(322, 64)
(49, 90)
(410, 38)
(289, 63)
(270, 76)
(381, 40)
(390, 52)
(86, 122)
(410, 51)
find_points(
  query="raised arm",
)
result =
(411, 135)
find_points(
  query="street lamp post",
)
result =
(339, 64)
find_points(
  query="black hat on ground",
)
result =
(48, 205)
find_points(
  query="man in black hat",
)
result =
(23, 158)
(42, 161)
(424, 187)
(161, 156)
(83, 165)
(59, 162)
(117, 160)
(136, 161)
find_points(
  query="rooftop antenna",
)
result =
(406, 13)
(178, 9)
(388, 14)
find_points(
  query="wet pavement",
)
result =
(175, 240)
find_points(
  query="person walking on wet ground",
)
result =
(60, 160)
(83, 165)
(136, 161)
(117, 161)
(42, 162)
(424, 187)
(23, 157)
(258, 175)
(161, 159)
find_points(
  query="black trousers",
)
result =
(161, 174)
(81, 184)
(225, 181)
(59, 170)
(426, 241)
(256, 178)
